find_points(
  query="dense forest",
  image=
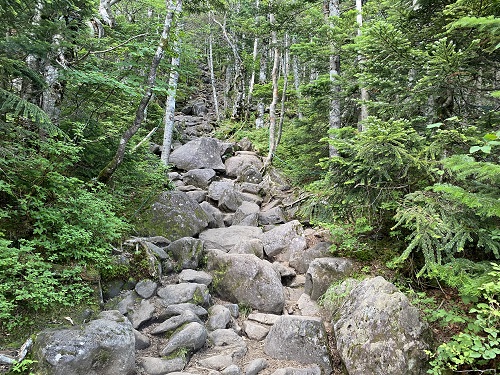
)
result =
(386, 114)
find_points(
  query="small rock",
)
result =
(142, 314)
(256, 366)
(192, 276)
(184, 292)
(255, 331)
(217, 362)
(159, 366)
(192, 337)
(231, 370)
(146, 288)
(141, 340)
(175, 322)
(218, 317)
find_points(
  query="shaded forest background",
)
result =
(387, 114)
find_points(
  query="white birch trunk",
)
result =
(363, 113)
(212, 76)
(296, 81)
(106, 13)
(286, 68)
(272, 107)
(259, 121)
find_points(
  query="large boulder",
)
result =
(379, 332)
(301, 256)
(199, 177)
(105, 346)
(241, 163)
(226, 238)
(246, 279)
(323, 272)
(187, 252)
(201, 153)
(247, 214)
(299, 338)
(175, 215)
(190, 338)
(279, 239)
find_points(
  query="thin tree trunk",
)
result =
(107, 172)
(238, 81)
(272, 107)
(296, 81)
(212, 76)
(106, 13)
(170, 102)
(259, 121)
(363, 113)
(254, 60)
(286, 68)
(333, 10)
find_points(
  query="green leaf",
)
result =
(491, 137)
(435, 125)
(474, 149)
(496, 94)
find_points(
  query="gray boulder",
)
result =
(230, 200)
(301, 256)
(141, 340)
(160, 366)
(380, 332)
(105, 346)
(215, 216)
(216, 189)
(175, 322)
(179, 308)
(274, 215)
(187, 252)
(253, 246)
(255, 331)
(299, 338)
(236, 165)
(184, 293)
(226, 238)
(246, 279)
(201, 153)
(199, 177)
(315, 370)
(255, 366)
(175, 215)
(323, 272)
(146, 288)
(193, 276)
(247, 214)
(278, 239)
(190, 338)
(219, 317)
(142, 314)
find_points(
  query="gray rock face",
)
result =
(105, 346)
(380, 332)
(279, 238)
(254, 247)
(201, 153)
(159, 366)
(174, 215)
(256, 366)
(179, 308)
(236, 165)
(301, 256)
(247, 214)
(274, 215)
(192, 276)
(322, 272)
(199, 177)
(191, 338)
(215, 216)
(175, 322)
(219, 317)
(246, 279)
(146, 288)
(184, 292)
(255, 331)
(226, 238)
(230, 200)
(216, 189)
(142, 314)
(187, 252)
(300, 338)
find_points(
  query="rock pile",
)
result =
(234, 289)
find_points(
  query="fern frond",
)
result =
(19, 107)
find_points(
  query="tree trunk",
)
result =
(170, 102)
(363, 113)
(259, 121)
(106, 13)
(107, 172)
(254, 60)
(286, 68)
(272, 107)
(212, 76)
(333, 10)
(296, 81)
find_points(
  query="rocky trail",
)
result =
(234, 285)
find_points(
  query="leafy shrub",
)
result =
(478, 346)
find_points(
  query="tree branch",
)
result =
(119, 45)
